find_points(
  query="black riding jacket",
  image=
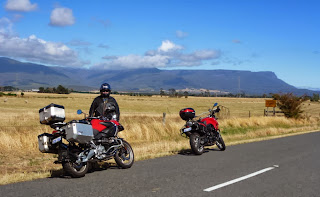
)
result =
(98, 107)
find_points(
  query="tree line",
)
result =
(58, 90)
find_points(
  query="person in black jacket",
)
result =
(105, 105)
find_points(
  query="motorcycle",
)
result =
(203, 131)
(80, 143)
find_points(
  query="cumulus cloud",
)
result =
(6, 26)
(134, 61)
(168, 54)
(20, 5)
(168, 46)
(37, 50)
(181, 34)
(62, 17)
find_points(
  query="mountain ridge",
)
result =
(29, 75)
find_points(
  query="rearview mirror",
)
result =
(79, 111)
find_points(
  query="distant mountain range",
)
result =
(29, 75)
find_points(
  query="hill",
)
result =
(28, 75)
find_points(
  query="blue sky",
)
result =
(282, 36)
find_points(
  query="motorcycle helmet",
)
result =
(105, 89)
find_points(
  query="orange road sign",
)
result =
(271, 103)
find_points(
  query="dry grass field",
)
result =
(21, 160)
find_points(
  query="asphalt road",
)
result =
(297, 173)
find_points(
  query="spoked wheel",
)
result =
(195, 143)
(220, 143)
(74, 169)
(124, 156)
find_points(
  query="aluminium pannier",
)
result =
(52, 113)
(79, 132)
(45, 143)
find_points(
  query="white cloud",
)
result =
(134, 61)
(181, 34)
(5, 26)
(62, 17)
(168, 46)
(37, 50)
(20, 5)
(167, 55)
(206, 54)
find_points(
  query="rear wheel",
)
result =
(195, 143)
(124, 156)
(220, 143)
(74, 169)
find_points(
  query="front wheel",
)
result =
(220, 143)
(195, 143)
(124, 156)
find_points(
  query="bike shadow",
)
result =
(188, 152)
(95, 167)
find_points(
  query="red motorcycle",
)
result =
(203, 131)
(80, 143)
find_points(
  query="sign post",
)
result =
(271, 103)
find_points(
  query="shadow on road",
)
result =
(189, 152)
(93, 168)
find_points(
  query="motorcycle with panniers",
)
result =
(76, 145)
(203, 131)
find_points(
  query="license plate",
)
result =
(58, 139)
(187, 129)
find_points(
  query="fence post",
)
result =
(164, 118)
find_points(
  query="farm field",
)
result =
(142, 118)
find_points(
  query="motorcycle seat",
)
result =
(107, 124)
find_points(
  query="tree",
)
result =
(315, 98)
(289, 104)
(41, 90)
(62, 90)
(172, 92)
(186, 94)
(161, 92)
(207, 93)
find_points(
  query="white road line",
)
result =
(239, 179)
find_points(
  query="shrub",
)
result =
(289, 104)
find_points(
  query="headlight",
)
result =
(189, 124)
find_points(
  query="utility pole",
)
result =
(239, 87)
